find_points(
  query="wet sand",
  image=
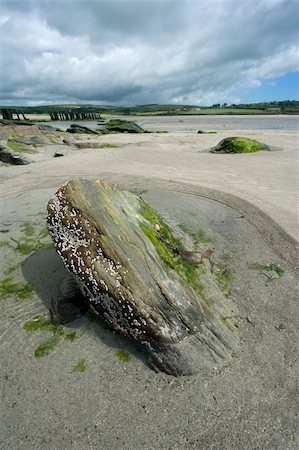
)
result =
(247, 205)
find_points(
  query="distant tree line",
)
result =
(282, 105)
(274, 107)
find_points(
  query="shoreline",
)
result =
(267, 180)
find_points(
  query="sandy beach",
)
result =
(248, 205)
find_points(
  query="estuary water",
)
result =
(194, 123)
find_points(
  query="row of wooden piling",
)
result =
(8, 114)
(16, 114)
(71, 115)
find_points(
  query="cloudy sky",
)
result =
(148, 51)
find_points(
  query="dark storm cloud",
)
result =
(143, 51)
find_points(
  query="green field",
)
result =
(283, 107)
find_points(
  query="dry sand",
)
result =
(248, 206)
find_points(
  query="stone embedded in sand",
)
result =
(134, 274)
(10, 157)
(239, 145)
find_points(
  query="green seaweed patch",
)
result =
(53, 138)
(47, 346)
(18, 290)
(122, 355)
(108, 145)
(227, 256)
(10, 269)
(114, 122)
(226, 321)
(268, 267)
(27, 229)
(25, 246)
(40, 322)
(71, 336)
(239, 145)
(223, 277)
(198, 236)
(32, 239)
(80, 366)
(20, 147)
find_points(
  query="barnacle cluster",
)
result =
(77, 240)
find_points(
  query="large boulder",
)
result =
(141, 278)
(123, 126)
(239, 145)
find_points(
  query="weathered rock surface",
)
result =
(141, 279)
(16, 122)
(9, 157)
(239, 145)
(123, 126)
(75, 128)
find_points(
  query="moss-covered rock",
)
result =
(239, 145)
(123, 126)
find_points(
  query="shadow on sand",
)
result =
(45, 271)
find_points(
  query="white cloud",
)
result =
(198, 52)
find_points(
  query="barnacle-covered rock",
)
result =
(140, 278)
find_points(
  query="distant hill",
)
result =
(275, 107)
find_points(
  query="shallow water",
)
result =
(205, 123)
(116, 404)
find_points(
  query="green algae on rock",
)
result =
(17, 146)
(123, 126)
(135, 273)
(199, 236)
(239, 145)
